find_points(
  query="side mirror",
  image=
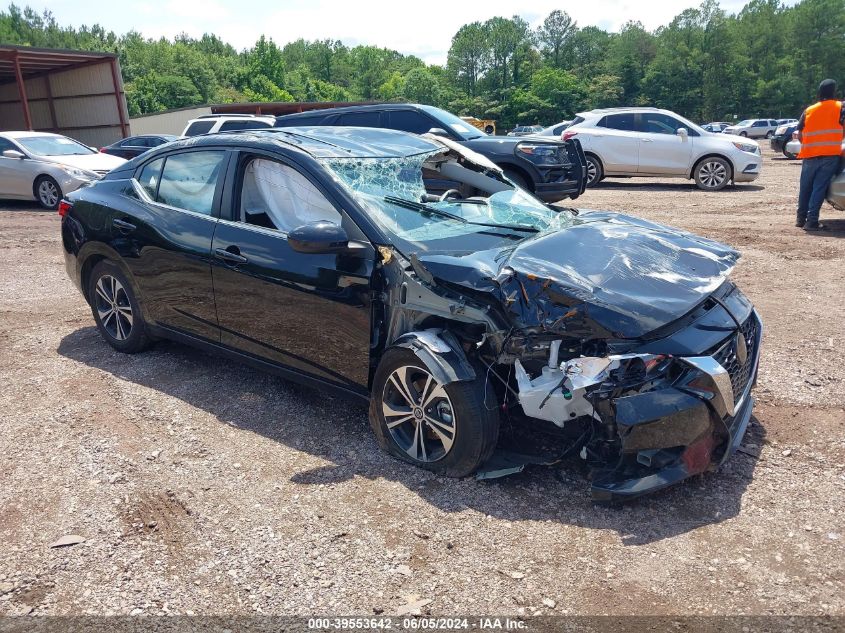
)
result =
(438, 131)
(13, 153)
(683, 133)
(319, 237)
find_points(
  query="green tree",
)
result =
(556, 35)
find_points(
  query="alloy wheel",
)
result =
(113, 307)
(418, 414)
(712, 174)
(48, 193)
(592, 172)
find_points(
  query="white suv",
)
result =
(211, 123)
(651, 142)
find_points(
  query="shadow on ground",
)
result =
(23, 205)
(835, 226)
(336, 430)
(639, 185)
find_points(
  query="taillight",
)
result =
(567, 134)
(102, 150)
(64, 207)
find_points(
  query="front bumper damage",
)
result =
(665, 433)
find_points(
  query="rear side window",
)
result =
(304, 121)
(199, 127)
(624, 122)
(360, 119)
(189, 180)
(243, 125)
(149, 177)
(409, 121)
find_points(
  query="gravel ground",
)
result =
(204, 487)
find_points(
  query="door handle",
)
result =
(232, 256)
(646, 140)
(123, 226)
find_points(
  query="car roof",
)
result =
(360, 108)
(322, 142)
(26, 134)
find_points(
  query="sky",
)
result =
(424, 29)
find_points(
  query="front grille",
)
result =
(726, 356)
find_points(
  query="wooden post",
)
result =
(27, 119)
(124, 127)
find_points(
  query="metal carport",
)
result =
(75, 93)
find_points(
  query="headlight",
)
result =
(780, 130)
(541, 154)
(79, 173)
(751, 148)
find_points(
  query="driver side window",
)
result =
(276, 196)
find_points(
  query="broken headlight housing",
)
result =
(565, 391)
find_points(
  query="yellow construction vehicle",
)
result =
(488, 126)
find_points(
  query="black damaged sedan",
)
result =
(409, 271)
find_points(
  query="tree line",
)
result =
(766, 60)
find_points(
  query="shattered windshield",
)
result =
(433, 203)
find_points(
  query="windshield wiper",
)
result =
(419, 207)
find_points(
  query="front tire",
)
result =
(745, 134)
(47, 192)
(447, 429)
(595, 171)
(712, 173)
(116, 310)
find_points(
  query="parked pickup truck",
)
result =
(554, 170)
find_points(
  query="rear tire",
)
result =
(447, 429)
(769, 134)
(116, 310)
(712, 173)
(47, 192)
(595, 171)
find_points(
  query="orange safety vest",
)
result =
(822, 133)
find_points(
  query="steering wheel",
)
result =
(447, 193)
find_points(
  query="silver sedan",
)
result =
(44, 167)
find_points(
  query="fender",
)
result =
(441, 354)
(101, 250)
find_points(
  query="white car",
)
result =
(213, 123)
(651, 142)
(45, 167)
(753, 128)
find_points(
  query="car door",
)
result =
(16, 174)
(308, 312)
(132, 147)
(662, 150)
(164, 236)
(617, 143)
(758, 128)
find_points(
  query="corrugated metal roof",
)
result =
(34, 61)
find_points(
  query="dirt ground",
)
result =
(205, 487)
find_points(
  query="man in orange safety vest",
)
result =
(820, 131)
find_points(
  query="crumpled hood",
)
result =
(606, 275)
